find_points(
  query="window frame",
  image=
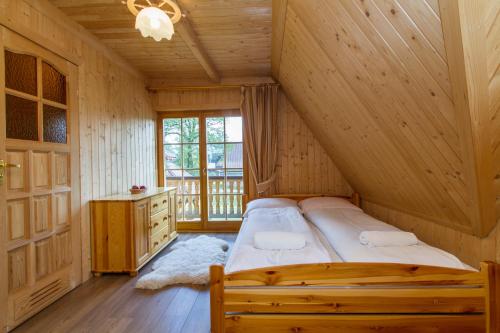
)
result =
(204, 224)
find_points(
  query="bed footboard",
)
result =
(355, 297)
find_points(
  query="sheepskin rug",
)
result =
(188, 262)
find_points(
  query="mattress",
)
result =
(245, 256)
(342, 227)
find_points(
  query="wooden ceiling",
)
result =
(397, 93)
(228, 38)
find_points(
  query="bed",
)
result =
(338, 296)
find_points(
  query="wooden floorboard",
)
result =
(110, 303)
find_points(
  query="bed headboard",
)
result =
(354, 198)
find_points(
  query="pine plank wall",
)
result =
(117, 123)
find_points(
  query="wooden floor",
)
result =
(111, 304)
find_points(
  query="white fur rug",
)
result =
(188, 262)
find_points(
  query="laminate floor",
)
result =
(111, 304)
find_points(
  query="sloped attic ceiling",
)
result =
(402, 95)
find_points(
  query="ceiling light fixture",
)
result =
(154, 20)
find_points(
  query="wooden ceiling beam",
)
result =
(187, 33)
(279, 18)
(465, 43)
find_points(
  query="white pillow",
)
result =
(269, 203)
(309, 204)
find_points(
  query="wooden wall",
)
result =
(117, 123)
(493, 48)
(303, 165)
(197, 99)
(372, 80)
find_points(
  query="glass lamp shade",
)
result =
(154, 22)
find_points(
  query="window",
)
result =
(35, 110)
(203, 157)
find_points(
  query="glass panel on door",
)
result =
(224, 168)
(182, 165)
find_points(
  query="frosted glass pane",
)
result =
(21, 118)
(54, 124)
(20, 72)
(53, 84)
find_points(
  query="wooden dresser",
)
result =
(130, 229)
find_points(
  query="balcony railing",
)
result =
(222, 203)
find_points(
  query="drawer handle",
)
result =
(165, 236)
(164, 201)
(165, 218)
(156, 243)
(156, 224)
(155, 205)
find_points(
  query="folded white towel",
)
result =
(387, 238)
(278, 240)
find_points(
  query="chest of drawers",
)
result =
(129, 230)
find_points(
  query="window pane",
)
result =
(216, 181)
(173, 157)
(191, 207)
(172, 130)
(234, 155)
(234, 181)
(21, 118)
(217, 207)
(191, 182)
(53, 84)
(174, 179)
(20, 72)
(234, 129)
(54, 124)
(215, 129)
(180, 207)
(215, 156)
(234, 207)
(191, 156)
(190, 130)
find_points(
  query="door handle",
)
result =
(9, 165)
(4, 165)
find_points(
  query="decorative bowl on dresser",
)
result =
(128, 230)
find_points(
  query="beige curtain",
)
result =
(259, 109)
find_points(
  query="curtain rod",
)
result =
(224, 86)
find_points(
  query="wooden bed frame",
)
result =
(355, 297)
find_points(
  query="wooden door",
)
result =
(39, 205)
(141, 231)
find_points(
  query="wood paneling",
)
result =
(235, 35)
(465, 42)
(371, 79)
(303, 164)
(470, 249)
(197, 99)
(493, 57)
(117, 124)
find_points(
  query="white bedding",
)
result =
(342, 228)
(245, 256)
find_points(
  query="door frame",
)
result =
(204, 225)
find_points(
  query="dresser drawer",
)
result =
(159, 239)
(159, 221)
(159, 203)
